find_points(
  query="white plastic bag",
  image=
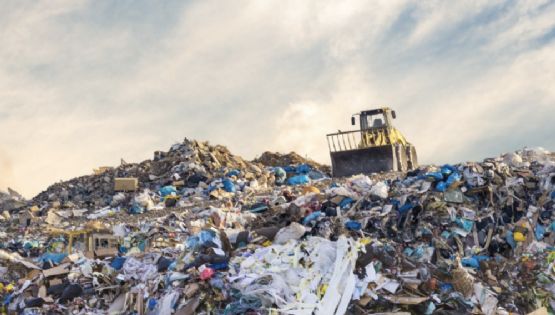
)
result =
(380, 190)
(292, 232)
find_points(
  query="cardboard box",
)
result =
(126, 184)
(59, 270)
(101, 170)
(26, 218)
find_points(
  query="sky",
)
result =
(85, 83)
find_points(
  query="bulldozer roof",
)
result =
(375, 111)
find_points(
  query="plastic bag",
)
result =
(56, 258)
(280, 174)
(292, 232)
(144, 200)
(512, 159)
(453, 178)
(360, 182)
(298, 180)
(303, 169)
(436, 176)
(228, 185)
(380, 190)
(118, 198)
(117, 263)
(136, 209)
(353, 225)
(167, 190)
(316, 175)
(312, 217)
(441, 186)
(207, 273)
(233, 173)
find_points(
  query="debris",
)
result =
(204, 231)
(277, 159)
(126, 184)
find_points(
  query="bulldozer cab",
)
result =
(376, 127)
(376, 146)
(377, 118)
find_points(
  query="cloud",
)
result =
(85, 83)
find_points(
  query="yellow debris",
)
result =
(519, 237)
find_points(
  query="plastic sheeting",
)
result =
(296, 287)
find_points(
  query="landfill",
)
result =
(292, 158)
(11, 200)
(198, 230)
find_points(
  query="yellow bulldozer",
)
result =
(376, 147)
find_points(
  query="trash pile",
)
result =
(277, 159)
(185, 166)
(11, 200)
(471, 238)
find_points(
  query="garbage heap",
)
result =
(471, 238)
(185, 165)
(11, 200)
(277, 159)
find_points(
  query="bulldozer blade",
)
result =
(368, 160)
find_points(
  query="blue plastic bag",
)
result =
(465, 224)
(474, 261)
(259, 207)
(233, 173)
(312, 217)
(228, 185)
(395, 203)
(540, 231)
(345, 202)
(290, 169)
(206, 236)
(353, 225)
(8, 299)
(446, 234)
(219, 266)
(136, 209)
(471, 262)
(418, 252)
(447, 169)
(31, 244)
(406, 207)
(118, 262)
(316, 175)
(303, 169)
(192, 242)
(298, 180)
(167, 190)
(151, 304)
(453, 178)
(436, 176)
(441, 186)
(56, 258)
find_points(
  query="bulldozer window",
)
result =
(378, 122)
(375, 121)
